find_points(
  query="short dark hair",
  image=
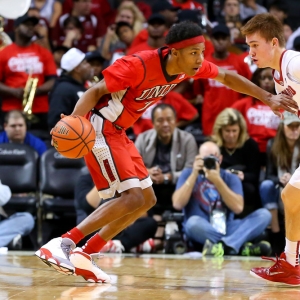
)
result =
(121, 24)
(183, 31)
(73, 20)
(14, 114)
(162, 106)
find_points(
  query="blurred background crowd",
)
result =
(50, 56)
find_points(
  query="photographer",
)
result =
(210, 197)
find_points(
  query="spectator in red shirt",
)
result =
(20, 60)
(262, 123)
(163, 8)
(93, 28)
(125, 33)
(216, 96)
(156, 35)
(127, 12)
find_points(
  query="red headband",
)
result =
(187, 42)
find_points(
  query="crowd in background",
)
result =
(66, 44)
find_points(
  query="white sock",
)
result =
(292, 252)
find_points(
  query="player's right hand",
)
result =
(281, 101)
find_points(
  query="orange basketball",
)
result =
(73, 136)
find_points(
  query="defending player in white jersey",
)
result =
(264, 35)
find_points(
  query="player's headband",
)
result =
(187, 42)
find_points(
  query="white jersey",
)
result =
(288, 80)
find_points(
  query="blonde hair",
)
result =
(139, 19)
(228, 117)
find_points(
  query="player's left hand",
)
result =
(61, 116)
(281, 101)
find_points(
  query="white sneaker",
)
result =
(113, 246)
(86, 267)
(146, 247)
(56, 254)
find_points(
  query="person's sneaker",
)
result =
(263, 248)
(56, 254)
(146, 247)
(86, 266)
(15, 243)
(216, 250)
(281, 272)
(113, 246)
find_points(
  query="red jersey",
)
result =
(217, 96)
(262, 123)
(15, 64)
(184, 111)
(140, 80)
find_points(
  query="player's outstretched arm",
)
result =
(90, 98)
(245, 86)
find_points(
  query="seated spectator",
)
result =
(51, 10)
(58, 53)
(41, 37)
(92, 27)
(73, 35)
(125, 33)
(166, 151)
(164, 8)
(262, 123)
(138, 235)
(216, 95)
(96, 61)
(249, 8)
(156, 35)
(185, 113)
(14, 227)
(15, 131)
(127, 12)
(210, 197)
(283, 159)
(230, 16)
(240, 153)
(19, 61)
(279, 9)
(69, 86)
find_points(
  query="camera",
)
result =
(210, 162)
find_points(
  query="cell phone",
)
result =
(233, 171)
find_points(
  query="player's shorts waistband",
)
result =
(97, 112)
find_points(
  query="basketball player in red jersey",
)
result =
(134, 82)
(264, 35)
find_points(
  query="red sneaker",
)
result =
(281, 272)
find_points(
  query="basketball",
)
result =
(73, 136)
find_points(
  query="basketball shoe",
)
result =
(280, 272)
(56, 254)
(86, 266)
(146, 247)
(216, 250)
(113, 246)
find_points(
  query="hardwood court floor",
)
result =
(25, 277)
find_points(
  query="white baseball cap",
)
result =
(71, 59)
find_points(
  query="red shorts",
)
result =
(114, 163)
